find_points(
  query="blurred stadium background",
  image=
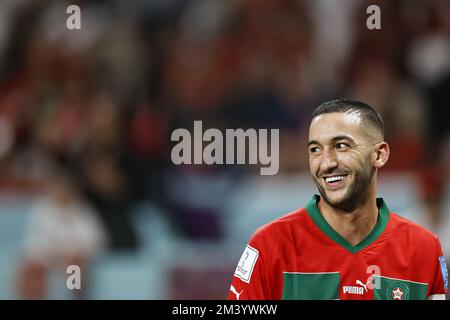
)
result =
(86, 117)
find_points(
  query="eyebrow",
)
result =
(334, 139)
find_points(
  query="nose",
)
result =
(329, 161)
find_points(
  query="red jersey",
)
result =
(300, 256)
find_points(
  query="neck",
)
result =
(353, 226)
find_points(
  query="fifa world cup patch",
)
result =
(246, 264)
(444, 271)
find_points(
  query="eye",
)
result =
(342, 145)
(313, 150)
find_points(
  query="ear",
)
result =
(382, 152)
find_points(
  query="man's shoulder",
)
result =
(292, 220)
(412, 229)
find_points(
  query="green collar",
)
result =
(319, 220)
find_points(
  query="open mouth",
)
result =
(334, 182)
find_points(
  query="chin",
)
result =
(336, 198)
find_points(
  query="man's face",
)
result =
(341, 154)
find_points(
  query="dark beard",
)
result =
(357, 193)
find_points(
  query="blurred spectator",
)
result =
(98, 160)
(106, 188)
(433, 174)
(62, 230)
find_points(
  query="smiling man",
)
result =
(345, 243)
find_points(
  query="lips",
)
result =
(334, 181)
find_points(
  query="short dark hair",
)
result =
(343, 105)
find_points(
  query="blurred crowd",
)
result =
(86, 115)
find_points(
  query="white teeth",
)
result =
(334, 179)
